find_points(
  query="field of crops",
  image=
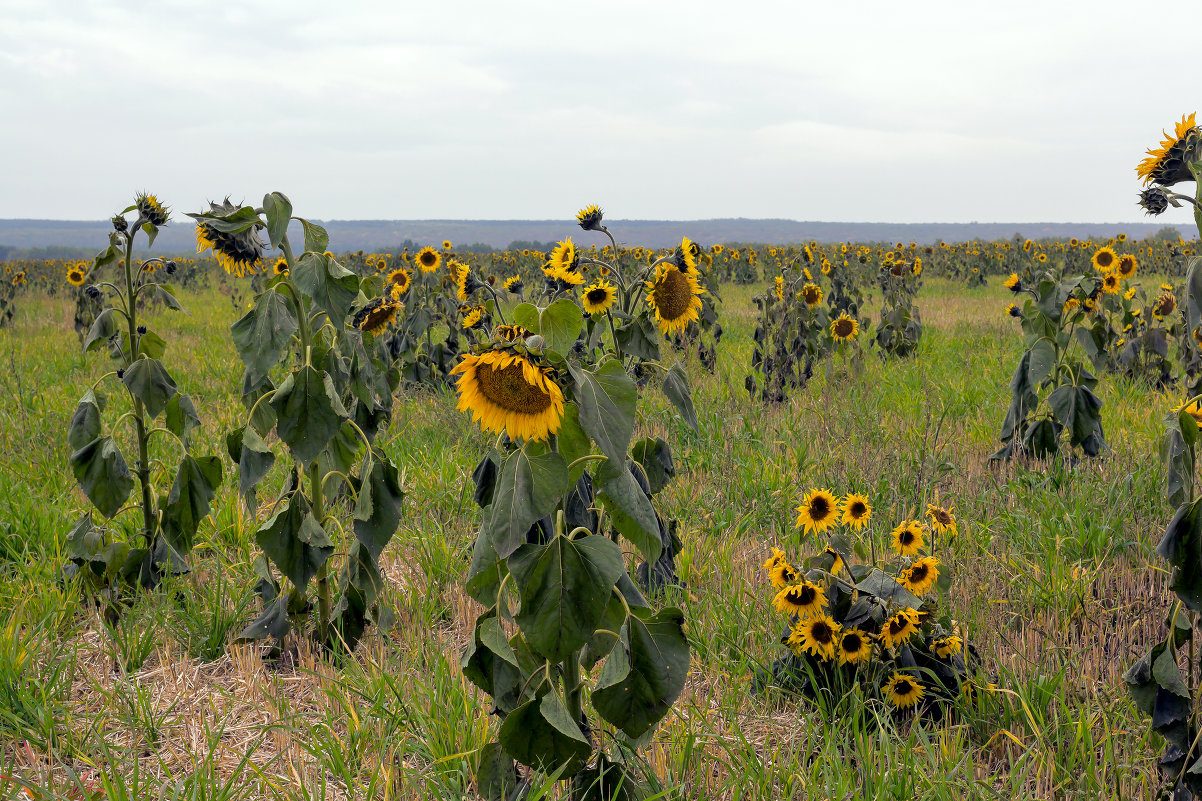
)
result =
(720, 521)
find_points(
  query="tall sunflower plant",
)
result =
(564, 487)
(314, 377)
(157, 421)
(900, 328)
(873, 626)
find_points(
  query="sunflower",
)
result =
(1166, 304)
(902, 691)
(856, 511)
(151, 210)
(510, 333)
(508, 392)
(717, 250)
(917, 268)
(1193, 409)
(899, 628)
(598, 297)
(239, 254)
(943, 519)
(563, 257)
(919, 577)
(782, 574)
(473, 316)
(908, 537)
(804, 600)
(947, 646)
(780, 288)
(378, 314)
(1070, 305)
(19, 279)
(1128, 264)
(685, 256)
(811, 294)
(1166, 164)
(1012, 283)
(1013, 310)
(1130, 293)
(589, 218)
(1111, 283)
(826, 266)
(1104, 259)
(428, 259)
(817, 635)
(459, 274)
(280, 267)
(1042, 257)
(76, 275)
(844, 328)
(513, 284)
(446, 244)
(676, 298)
(854, 646)
(400, 280)
(819, 511)
(836, 560)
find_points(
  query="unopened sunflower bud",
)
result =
(1154, 201)
(119, 224)
(142, 330)
(172, 266)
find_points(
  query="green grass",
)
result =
(1055, 578)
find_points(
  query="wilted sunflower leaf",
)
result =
(263, 334)
(328, 284)
(148, 381)
(85, 422)
(182, 418)
(676, 388)
(102, 474)
(278, 209)
(655, 457)
(1078, 410)
(541, 734)
(565, 587)
(496, 775)
(529, 488)
(645, 674)
(294, 541)
(102, 330)
(308, 411)
(188, 503)
(1042, 362)
(880, 584)
(629, 508)
(273, 621)
(491, 664)
(607, 405)
(378, 509)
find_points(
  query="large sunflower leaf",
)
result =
(294, 541)
(263, 334)
(880, 584)
(541, 734)
(328, 284)
(676, 388)
(565, 586)
(560, 324)
(188, 503)
(308, 412)
(102, 474)
(629, 508)
(378, 509)
(607, 406)
(528, 489)
(645, 674)
(278, 209)
(85, 422)
(149, 382)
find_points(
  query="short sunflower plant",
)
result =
(873, 626)
(900, 328)
(157, 423)
(1165, 683)
(566, 628)
(312, 375)
(1053, 408)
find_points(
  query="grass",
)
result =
(1055, 578)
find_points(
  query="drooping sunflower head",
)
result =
(76, 275)
(280, 267)
(907, 538)
(917, 268)
(1128, 264)
(428, 259)
(513, 284)
(675, 297)
(946, 647)
(856, 510)
(1104, 259)
(1169, 163)
(1193, 409)
(844, 328)
(589, 217)
(819, 511)
(855, 646)
(151, 210)
(920, 576)
(943, 519)
(239, 254)
(511, 393)
(1012, 283)
(376, 315)
(685, 256)
(473, 316)
(804, 600)
(899, 627)
(597, 298)
(460, 273)
(811, 294)
(1166, 304)
(902, 691)
(1013, 310)
(817, 635)
(782, 574)
(563, 257)
(400, 280)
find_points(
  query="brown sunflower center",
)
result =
(802, 596)
(918, 573)
(843, 327)
(941, 516)
(509, 389)
(820, 509)
(903, 687)
(1105, 259)
(857, 509)
(596, 296)
(821, 632)
(906, 537)
(428, 259)
(851, 643)
(897, 625)
(1126, 265)
(672, 294)
(810, 293)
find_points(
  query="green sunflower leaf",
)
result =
(102, 330)
(378, 509)
(278, 209)
(149, 382)
(541, 734)
(102, 474)
(263, 334)
(294, 541)
(607, 406)
(182, 418)
(560, 324)
(565, 586)
(308, 412)
(645, 674)
(255, 459)
(316, 238)
(529, 488)
(629, 508)
(191, 495)
(676, 388)
(85, 424)
(880, 584)
(327, 283)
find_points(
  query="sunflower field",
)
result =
(602, 521)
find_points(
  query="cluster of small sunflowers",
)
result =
(869, 626)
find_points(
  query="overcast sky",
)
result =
(854, 111)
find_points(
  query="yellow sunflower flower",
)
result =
(597, 298)
(902, 691)
(919, 577)
(907, 537)
(811, 294)
(508, 392)
(856, 511)
(899, 628)
(844, 328)
(819, 511)
(428, 259)
(804, 600)
(855, 646)
(817, 635)
(675, 297)
(1166, 164)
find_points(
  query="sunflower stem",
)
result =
(149, 528)
(323, 573)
